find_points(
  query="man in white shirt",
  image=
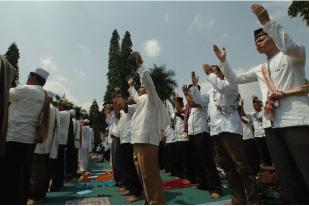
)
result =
(58, 177)
(43, 151)
(183, 144)
(284, 72)
(206, 172)
(86, 146)
(259, 132)
(226, 129)
(149, 119)
(26, 104)
(250, 143)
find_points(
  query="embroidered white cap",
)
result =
(86, 121)
(41, 72)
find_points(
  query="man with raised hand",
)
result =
(285, 96)
(226, 129)
(149, 119)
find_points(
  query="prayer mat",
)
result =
(105, 176)
(89, 201)
(177, 184)
(220, 202)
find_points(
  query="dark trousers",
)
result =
(161, 155)
(264, 151)
(132, 181)
(233, 160)
(15, 173)
(116, 162)
(56, 169)
(289, 148)
(172, 158)
(205, 168)
(253, 156)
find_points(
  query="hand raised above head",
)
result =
(220, 53)
(194, 78)
(207, 69)
(261, 13)
(130, 80)
(185, 89)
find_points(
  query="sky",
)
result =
(71, 39)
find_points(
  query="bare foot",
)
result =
(215, 195)
(126, 192)
(132, 198)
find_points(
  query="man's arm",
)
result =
(229, 74)
(132, 91)
(223, 86)
(276, 32)
(147, 81)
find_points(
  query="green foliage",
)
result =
(126, 50)
(300, 8)
(12, 55)
(164, 81)
(113, 66)
(97, 120)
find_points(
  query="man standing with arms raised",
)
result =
(149, 119)
(286, 101)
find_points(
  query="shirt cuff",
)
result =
(268, 26)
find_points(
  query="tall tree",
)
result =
(113, 66)
(12, 55)
(164, 81)
(97, 121)
(300, 8)
(126, 50)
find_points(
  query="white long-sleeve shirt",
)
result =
(87, 138)
(64, 127)
(224, 96)
(50, 146)
(170, 135)
(24, 113)
(150, 115)
(257, 121)
(287, 70)
(76, 132)
(197, 122)
(247, 129)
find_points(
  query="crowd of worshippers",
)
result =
(46, 143)
(209, 131)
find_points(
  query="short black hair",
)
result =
(40, 80)
(216, 67)
(259, 32)
(198, 86)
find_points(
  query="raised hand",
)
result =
(220, 53)
(174, 95)
(261, 13)
(194, 78)
(185, 89)
(207, 69)
(130, 80)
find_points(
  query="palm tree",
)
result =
(164, 81)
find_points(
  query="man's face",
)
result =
(30, 79)
(264, 44)
(61, 107)
(218, 73)
(256, 106)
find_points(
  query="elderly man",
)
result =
(149, 119)
(286, 101)
(25, 113)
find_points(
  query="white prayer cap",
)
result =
(72, 112)
(50, 94)
(41, 72)
(86, 121)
